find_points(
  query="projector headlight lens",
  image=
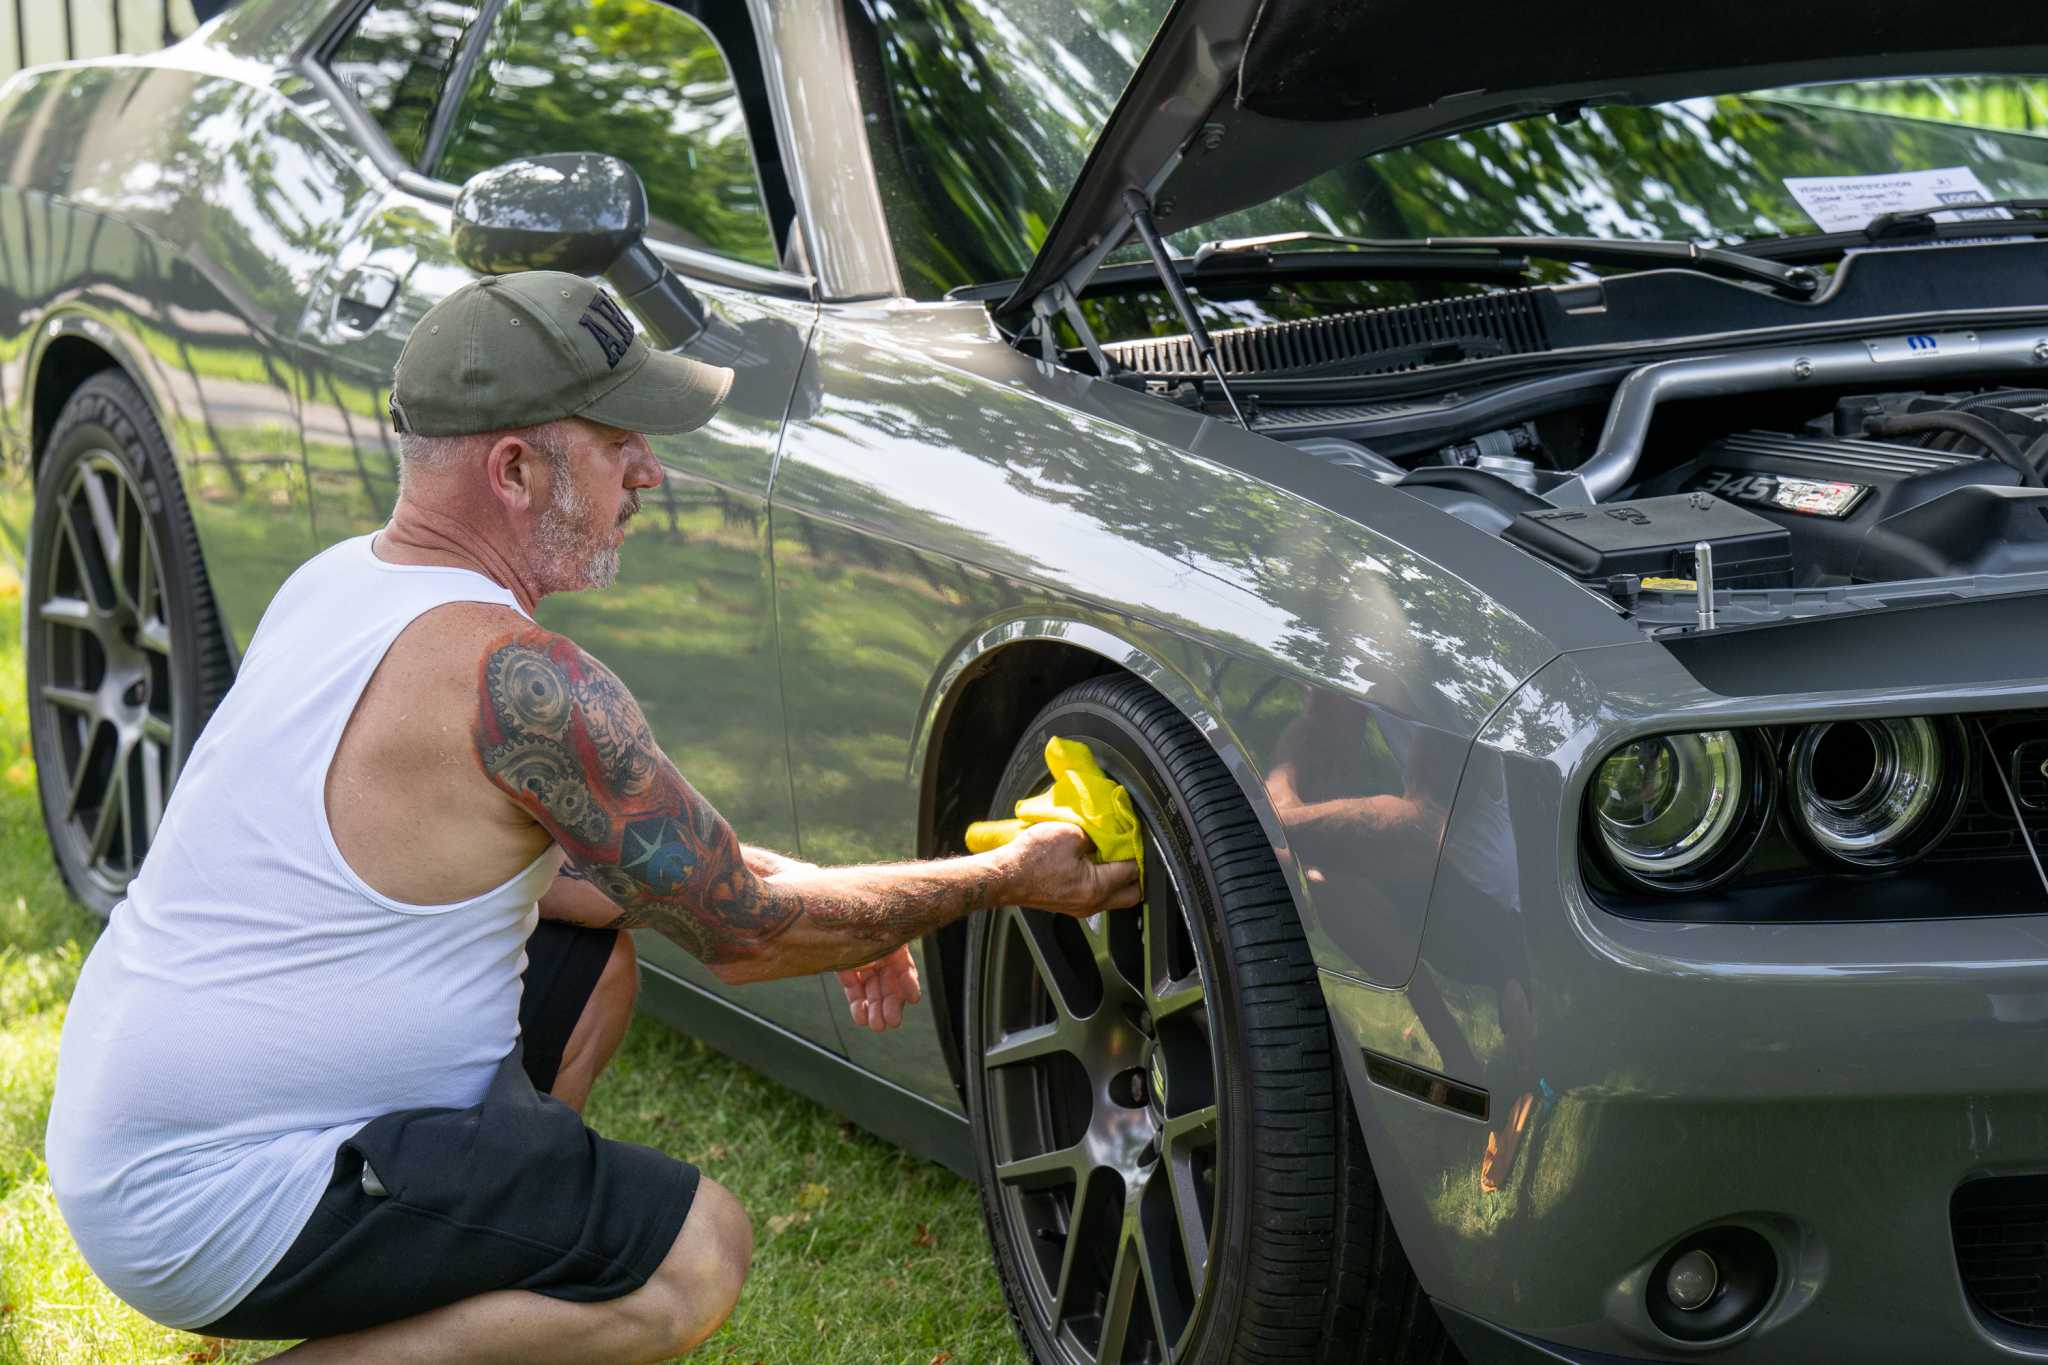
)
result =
(1667, 807)
(1871, 791)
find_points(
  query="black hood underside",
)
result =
(1236, 101)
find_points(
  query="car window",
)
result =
(396, 61)
(633, 78)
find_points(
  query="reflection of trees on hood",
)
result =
(1702, 168)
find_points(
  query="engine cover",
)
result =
(1833, 492)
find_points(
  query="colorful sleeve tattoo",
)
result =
(563, 737)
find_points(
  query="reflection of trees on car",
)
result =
(651, 87)
(978, 183)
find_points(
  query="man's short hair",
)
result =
(440, 452)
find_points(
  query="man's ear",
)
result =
(513, 471)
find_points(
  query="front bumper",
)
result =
(1826, 1085)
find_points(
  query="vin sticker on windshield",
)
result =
(1808, 497)
(1846, 203)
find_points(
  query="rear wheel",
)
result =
(125, 657)
(1151, 1194)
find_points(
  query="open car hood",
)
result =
(1240, 100)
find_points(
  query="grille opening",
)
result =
(2000, 1226)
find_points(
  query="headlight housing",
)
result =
(1876, 793)
(1678, 812)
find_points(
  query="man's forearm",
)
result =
(839, 917)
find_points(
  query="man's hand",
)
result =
(1053, 867)
(877, 992)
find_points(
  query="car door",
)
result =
(690, 625)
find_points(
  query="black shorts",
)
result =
(512, 1193)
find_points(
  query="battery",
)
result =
(1654, 538)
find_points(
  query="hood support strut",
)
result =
(1140, 209)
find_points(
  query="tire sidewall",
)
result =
(1127, 757)
(86, 425)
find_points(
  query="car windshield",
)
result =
(982, 112)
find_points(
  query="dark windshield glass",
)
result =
(981, 113)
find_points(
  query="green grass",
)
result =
(865, 1255)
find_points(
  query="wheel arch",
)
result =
(70, 348)
(972, 715)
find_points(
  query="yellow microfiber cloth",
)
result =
(1081, 794)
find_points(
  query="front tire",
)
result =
(1168, 1165)
(126, 658)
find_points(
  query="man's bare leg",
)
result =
(686, 1299)
(601, 1026)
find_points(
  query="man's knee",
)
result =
(698, 1282)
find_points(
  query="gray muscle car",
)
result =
(1542, 505)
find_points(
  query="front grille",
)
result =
(1376, 341)
(2001, 1234)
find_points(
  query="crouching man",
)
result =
(323, 1075)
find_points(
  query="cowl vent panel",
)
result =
(1377, 341)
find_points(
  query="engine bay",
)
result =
(1792, 484)
(1872, 488)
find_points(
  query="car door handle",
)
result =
(363, 297)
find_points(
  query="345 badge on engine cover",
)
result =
(1808, 497)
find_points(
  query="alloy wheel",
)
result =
(103, 675)
(1103, 1094)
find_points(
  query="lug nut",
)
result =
(1128, 1088)
(1692, 1280)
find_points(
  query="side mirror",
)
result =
(582, 212)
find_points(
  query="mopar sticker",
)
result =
(1808, 497)
(1884, 350)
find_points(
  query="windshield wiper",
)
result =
(2023, 218)
(1708, 260)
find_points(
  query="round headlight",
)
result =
(1876, 791)
(1671, 809)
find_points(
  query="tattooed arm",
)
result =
(562, 738)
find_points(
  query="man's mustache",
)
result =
(631, 508)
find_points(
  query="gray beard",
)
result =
(576, 560)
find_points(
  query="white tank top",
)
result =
(253, 1002)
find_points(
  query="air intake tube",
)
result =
(1876, 361)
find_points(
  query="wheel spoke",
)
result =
(1035, 928)
(72, 699)
(75, 612)
(145, 568)
(130, 794)
(111, 802)
(1188, 1216)
(84, 768)
(1116, 1308)
(1028, 1044)
(1059, 1166)
(154, 635)
(157, 730)
(1185, 1130)
(1175, 996)
(149, 756)
(1162, 1295)
(91, 573)
(1070, 1256)
(102, 513)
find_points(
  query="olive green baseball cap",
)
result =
(510, 351)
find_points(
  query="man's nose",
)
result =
(642, 469)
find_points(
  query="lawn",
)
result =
(865, 1256)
